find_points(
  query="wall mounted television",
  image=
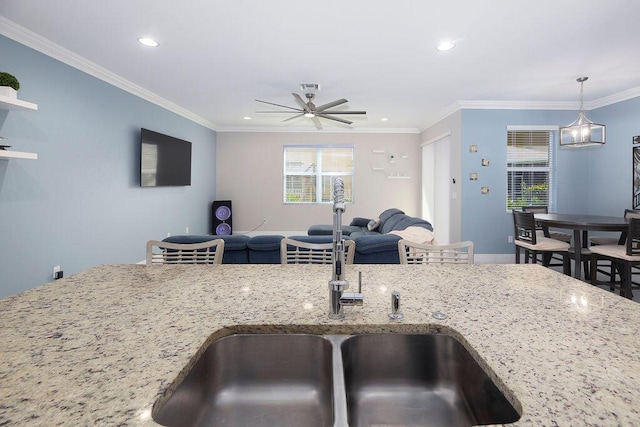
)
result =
(164, 160)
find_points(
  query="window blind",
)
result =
(530, 168)
(309, 172)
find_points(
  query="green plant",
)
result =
(530, 195)
(7, 79)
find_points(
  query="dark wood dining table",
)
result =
(581, 225)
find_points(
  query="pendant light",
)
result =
(583, 132)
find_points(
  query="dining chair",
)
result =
(623, 257)
(209, 252)
(418, 253)
(297, 252)
(563, 237)
(615, 240)
(527, 238)
(609, 269)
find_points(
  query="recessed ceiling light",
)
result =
(384, 119)
(246, 118)
(446, 45)
(148, 41)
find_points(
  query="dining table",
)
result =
(581, 224)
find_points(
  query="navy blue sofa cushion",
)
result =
(235, 245)
(265, 249)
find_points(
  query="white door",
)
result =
(436, 187)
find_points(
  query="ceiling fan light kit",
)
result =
(310, 110)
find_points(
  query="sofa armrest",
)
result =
(359, 222)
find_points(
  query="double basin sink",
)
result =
(336, 380)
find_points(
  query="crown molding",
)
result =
(518, 105)
(534, 105)
(613, 99)
(30, 39)
(314, 130)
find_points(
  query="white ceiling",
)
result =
(216, 57)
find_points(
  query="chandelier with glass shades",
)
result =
(583, 132)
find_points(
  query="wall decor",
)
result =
(473, 148)
(484, 190)
(636, 139)
(485, 162)
(473, 176)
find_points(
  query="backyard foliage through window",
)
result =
(309, 172)
(530, 168)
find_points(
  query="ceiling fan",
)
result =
(310, 110)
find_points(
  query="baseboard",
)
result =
(494, 258)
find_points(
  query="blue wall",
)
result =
(594, 180)
(80, 203)
(610, 182)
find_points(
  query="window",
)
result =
(531, 167)
(309, 172)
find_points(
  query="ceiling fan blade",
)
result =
(331, 104)
(301, 102)
(337, 119)
(316, 122)
(294, 117)
(344, 112)
(280, 112)
(278, 105)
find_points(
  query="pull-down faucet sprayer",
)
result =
(338, 283)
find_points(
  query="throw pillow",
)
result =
(373, 224)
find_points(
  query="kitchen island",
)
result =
(100, 347)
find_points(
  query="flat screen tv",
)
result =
(164, 160)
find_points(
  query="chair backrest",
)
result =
(631, 213)
(633, 237)
(535, 209)
(628, 213)
(524, 226)
(209, 252)
(418, 253)
(297, 252)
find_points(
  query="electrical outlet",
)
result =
(168, 234)
(264, 221)
(187, 230)
(57, 272)
(509, 239)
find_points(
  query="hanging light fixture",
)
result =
(583, 132)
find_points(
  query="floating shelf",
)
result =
(7, 103)
(17, 155)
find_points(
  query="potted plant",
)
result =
(9, 85)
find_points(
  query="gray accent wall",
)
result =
(80, 203)
(250, 172)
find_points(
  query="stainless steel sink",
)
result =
(256, 380)
(418, 380)
(336, 380)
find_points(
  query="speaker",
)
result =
(222, 219)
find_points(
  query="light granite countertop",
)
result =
(100, 347)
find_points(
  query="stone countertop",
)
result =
(100, 347)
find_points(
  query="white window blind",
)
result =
(309, 172)
(531, 167)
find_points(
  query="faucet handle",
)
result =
(395, 306)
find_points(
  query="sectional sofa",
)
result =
(375, 238)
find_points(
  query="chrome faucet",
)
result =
(338, 283)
